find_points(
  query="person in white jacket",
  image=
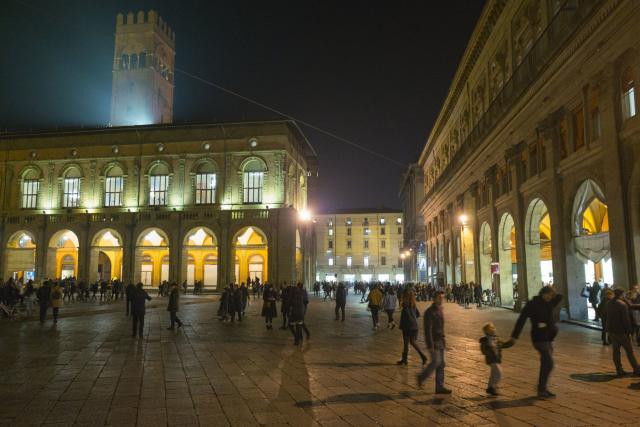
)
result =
(389, 304)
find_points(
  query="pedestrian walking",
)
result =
(341, 300)
(619, 328)
(56, 301)
(139, 297)
(543, 331)
(389, 304)
(434, 338)
(608, 296)
(269, 309)
(298, 309)
(409, 326)
(375, 302)
(29, 298)
(130, 292)
(44, 299)
(174, 306)
(285, 305)
(491, 347)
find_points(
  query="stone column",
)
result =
(514, 158)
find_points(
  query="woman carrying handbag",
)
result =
(409, 326)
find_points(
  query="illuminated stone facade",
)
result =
(216, 203)
(359, 245)
(143, 70)
(532, 171)
(411, 195)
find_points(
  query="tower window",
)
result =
(134, 61)
(142, 60)
(30, 189)
(124, 62)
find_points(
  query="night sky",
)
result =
(372, 72)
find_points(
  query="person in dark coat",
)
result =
(130, 292)
(298, 301)
(285, 305)
(341, 300)
(619, 329)
(174, 306)
(543, 331)
(44, 299)
(409, 325)
(608, 296)
(435, 340)
(269, 309)
(235, 305)
(139, 297)
(244, 293)
(223, 309)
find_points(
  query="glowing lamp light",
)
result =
(402, 256)
(305, 215)
(463, 219)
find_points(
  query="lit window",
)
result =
(382, 221)
(158, 185)
(253, 181)
(399, 220)
(330, 261)
(331, 232)
(349, 259)
(629, 103)
(367, 231)
(71, 194)
(205, 188)
(348, 221)
(383, 244)
(113, 191)
(365, 261)
(30, 189)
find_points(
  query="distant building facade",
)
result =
(532, 169)
(359, 245)
(413, 250)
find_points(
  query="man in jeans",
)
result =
(543, 331)
(434, 339)
(617, 319)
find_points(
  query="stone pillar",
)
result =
(474, 229)
(514, 158)
(84, 251)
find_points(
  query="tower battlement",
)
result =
(132, 22)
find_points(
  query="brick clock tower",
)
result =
(143, 70)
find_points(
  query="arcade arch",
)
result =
(486, 256)
(106, 256)
(250, 248)
(62, 255)
(200, 250)
(20, 256)
(538, 247)
(507, 259)
(152, 257)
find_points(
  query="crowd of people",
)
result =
(619, 312)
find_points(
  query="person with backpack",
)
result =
(491, 347)
(341, 300)
(389, 303)
(44, 299)
(375, 302)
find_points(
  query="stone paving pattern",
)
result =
(88, 370)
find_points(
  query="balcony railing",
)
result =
(563, 25)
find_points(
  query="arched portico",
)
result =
(62, 255)
(538, 250)
(250, 251)
(508, 259)
(200, 257)
(152, 257)
(20, 256)
(486, 256)
(106, 256)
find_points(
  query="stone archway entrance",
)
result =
(250, 248)
(508, 260)
(152, 257)
(62, 255)
(106, 256)
(20, 257)
(200, 250)
(538, 247)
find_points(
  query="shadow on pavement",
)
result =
(517, 403)
(352, 364)
(634, 386)
(594, 377)
(347, 398)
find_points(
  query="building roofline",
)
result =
(359, 211)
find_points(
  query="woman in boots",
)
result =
(409, 325)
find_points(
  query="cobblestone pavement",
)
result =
(89, 371)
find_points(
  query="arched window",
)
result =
(205, 184)
(253, 181)
(142, 60)
(113, 187)
(71, 188)
(628, 93)
(158, 185)
(30, 189)
(134, 61)
(124, 62)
